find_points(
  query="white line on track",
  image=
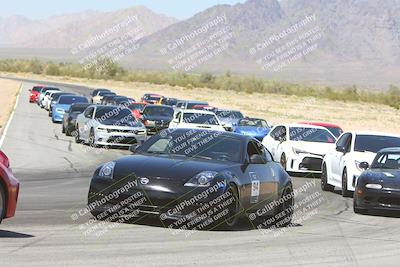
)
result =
(11, 117)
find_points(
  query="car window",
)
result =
(89, 112)
(279, 133)
(255, 148)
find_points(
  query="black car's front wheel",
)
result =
(233, 210)
(357, 209)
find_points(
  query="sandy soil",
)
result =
(8, 93)
(274, 108)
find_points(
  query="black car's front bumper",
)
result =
(165, 198)
(372, 199)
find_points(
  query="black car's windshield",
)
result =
(195, 144)
(78, 108)
(374, 143)
(169, 101)
(229, 114)
(253, 123)
(387, 161)
(306, 134)
(161, 111)
(67, 100)
(200, 118)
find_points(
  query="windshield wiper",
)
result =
(201, 157)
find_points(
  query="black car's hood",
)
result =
(164, 166)
(387, 177)
(157, 118)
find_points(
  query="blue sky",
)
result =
(44, 8)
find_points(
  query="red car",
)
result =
(204, 107)
(137, 109)
(333, 128)
(151, 98)
(35, 92)
(9, 189)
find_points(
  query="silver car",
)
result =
(102, 125)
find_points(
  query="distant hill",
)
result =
(347, 41)
(70, 30)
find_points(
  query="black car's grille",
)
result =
(313, 164)
(122, 140)
(392, 201)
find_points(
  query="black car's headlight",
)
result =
(107, 170)
(202, 179)
(373, 186)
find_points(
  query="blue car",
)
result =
(63, 104)
(257, 128)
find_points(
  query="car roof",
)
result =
(372, 133)
(323, 124)
(149, 106)
(303, 125)
(390, 150)
(198, 111)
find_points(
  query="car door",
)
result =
(343, 146)
(261, 180)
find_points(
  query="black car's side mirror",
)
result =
(257, 159)
(364, 165)
(341, 149)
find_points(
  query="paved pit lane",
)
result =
(55, 173)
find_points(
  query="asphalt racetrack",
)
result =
(48, 230)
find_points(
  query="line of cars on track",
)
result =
(197, 146)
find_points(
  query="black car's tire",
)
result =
(77, 136)
(63, 129)
(324, 180)
(92, 138)
(358, 210)
(50, 114)
(68, 131)
(286, 208)
(3, 204)
(345, 192)
(232, 218)
(283, 161)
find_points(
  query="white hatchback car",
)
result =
(299, 147)
(346, 161)
(196, 119)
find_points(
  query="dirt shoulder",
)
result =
(8, 94)
(274, 108)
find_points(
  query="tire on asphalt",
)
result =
(345, 191)
(324, 180)
(3, 205)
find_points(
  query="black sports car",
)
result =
(378, 188)
(157, 117)
(193, 177)
(69, 120)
